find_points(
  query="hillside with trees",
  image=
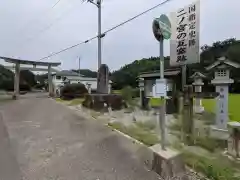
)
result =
(127, 75)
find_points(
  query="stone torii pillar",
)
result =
(198, 83)
(16, 81)
(50, 85)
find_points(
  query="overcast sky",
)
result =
(25, 32)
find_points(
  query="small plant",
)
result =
(146, 125)
(75, 102)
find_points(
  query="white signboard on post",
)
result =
(160, 88)
(184, 44)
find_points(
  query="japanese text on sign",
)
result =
(185, 35)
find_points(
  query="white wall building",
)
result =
(60, 77)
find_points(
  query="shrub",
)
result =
(127, 93)
(8, 85)
(135, 92)
(71, 91)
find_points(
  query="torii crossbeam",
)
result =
(17, 63)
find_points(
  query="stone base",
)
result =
(101, 102)
(167, 163)
(217, 133)
(14, 97)
(198, 109)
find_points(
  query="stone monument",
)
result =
(198, 83)
(102, 100)
(234, 141)
(221, 81)
(103, 79)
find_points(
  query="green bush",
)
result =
(127, 93)
(71, 91)
(8, 85)
(135, 93)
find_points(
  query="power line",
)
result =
(56, 3)
(63, 15)
(104, 33)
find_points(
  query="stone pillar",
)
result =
(198, 83)
(16, 81)
(50, 85)
(103, 79)
(222, 106)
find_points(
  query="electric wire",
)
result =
(104, 33)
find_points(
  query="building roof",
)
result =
(167, 72)
(67, 73)
(198, 75)
(221, 61)
(39, 63)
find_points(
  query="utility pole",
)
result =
(98, 3)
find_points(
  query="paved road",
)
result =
(43, 140)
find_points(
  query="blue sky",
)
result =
(23, 23)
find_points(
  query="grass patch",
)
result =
(60, 100)
(155, 102)
(117, 92)
(75, 102)
(148, 126)
(176, 126)
(234, 99)
(136, 132)
(209, 144)
(218, 168)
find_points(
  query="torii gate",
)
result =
(17, 63)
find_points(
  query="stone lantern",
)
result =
(221, 81)
(198, 83)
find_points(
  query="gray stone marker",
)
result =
(234, 142)
(103, 79)
(221, 81)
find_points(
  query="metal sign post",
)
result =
(162, 112)
(161, 31)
